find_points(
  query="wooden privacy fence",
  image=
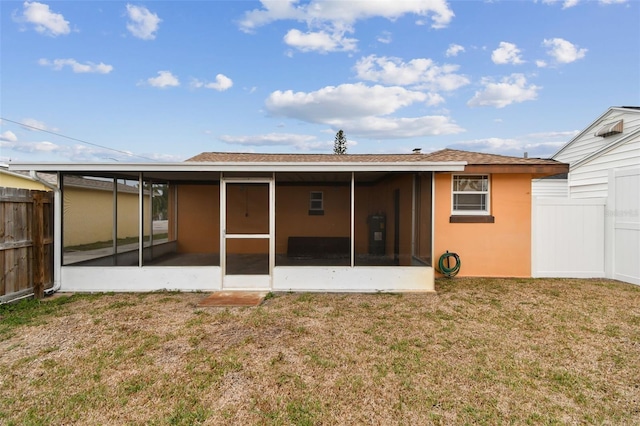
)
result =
(26, 243)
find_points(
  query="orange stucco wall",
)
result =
(379, 199)
(293, 219)
(495, 249)
(198, 219)
(198, 215)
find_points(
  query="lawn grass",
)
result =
(480, 351)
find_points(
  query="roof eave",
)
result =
(244, 166)
(536, 169)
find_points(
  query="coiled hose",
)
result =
(448, 270)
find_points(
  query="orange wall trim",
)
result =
(499, 249)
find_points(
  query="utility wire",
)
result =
(78, 140)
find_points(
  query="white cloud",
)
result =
(164, 79)
(507, 53)
(321, 12)
(385, 37)
(272, 11)
(44, 20)
(298, 141)
(421, 71)
(434, 99)
(399, 127)
(165, 158)
(361, 110)
(500, 94)
(328, 21)
(541, 145)
(344, 101)
(541, 63)
(8, 136)
(319, 41)
(566, 4)
(30, 147)
(33, 124)
(454, 49)
(46, 150)
(563, 51)
(142, 22)
(77, 67)
(221, 84)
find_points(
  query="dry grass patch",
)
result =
(485, 351)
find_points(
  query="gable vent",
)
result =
(610, 129)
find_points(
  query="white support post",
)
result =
(223, 231)
(57, 234)
(433, 225)
(272, 228)
(140, 219)
(115, 222)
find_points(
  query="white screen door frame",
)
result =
(231, 278)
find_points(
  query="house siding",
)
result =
(590, 179)
(500, 249)
(11, 181)
(586, 143)
(545, 188)
(88, 215)
(599, 170)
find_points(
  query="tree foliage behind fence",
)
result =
(26, 242)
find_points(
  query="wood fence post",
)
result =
(38, 245)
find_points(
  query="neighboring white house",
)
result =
(611, 142)
(604, 170)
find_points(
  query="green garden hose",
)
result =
(448, 270)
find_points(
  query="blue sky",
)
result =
(166, 80)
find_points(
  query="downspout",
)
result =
(57, 229)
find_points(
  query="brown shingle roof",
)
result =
(97, 184)
(305, 158)
(479, 158)
(444, 155)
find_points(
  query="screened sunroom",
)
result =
(248, 221)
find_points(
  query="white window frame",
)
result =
(487, 193)
(312, 200)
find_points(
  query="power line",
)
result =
(78, 140)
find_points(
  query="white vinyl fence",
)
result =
(589, 238)
(623, 218)
(568, 238)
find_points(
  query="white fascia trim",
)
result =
(448, 166)
(5, 170)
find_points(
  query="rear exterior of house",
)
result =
(587, 225)
(290, 222)
(611, 142)
(9, 179)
